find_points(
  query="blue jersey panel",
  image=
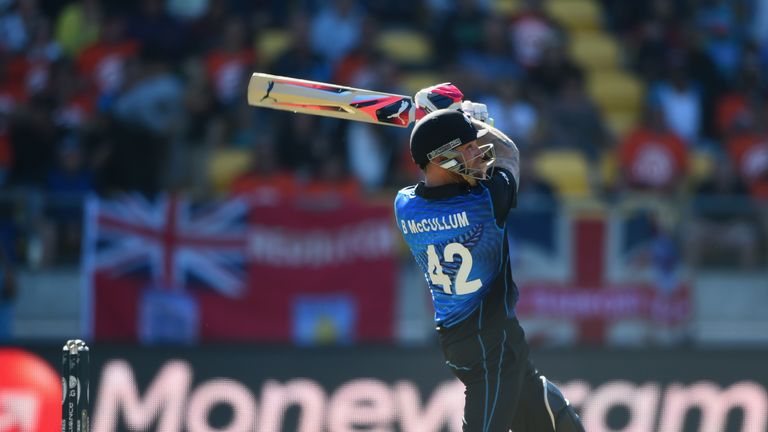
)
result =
(457, 245)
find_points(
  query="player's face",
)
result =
(473, 156)
(470, 150)
(478, 158)
(468, 161)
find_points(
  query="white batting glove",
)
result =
(439, 96)
(478, 111)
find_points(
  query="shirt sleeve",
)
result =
(503, 191)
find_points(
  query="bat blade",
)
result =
(330, 100)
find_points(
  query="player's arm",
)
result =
(507, 153)
(504, 178)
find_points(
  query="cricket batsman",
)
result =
(454, 222)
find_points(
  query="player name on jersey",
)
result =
(456, 220)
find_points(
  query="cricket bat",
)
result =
(330, 100)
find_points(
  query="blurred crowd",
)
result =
(149, 96)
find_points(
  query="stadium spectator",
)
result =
(201, 29)
(532, 30)
(43, 50)
(723, 37)
(295, 135)
(75, 99)
(17, 24)
(665, 256)
(118, 148)
(71, 174)
(33, 137)
(7, 104)
(298, 59)
(662, 256)
(372, 150)
(651, 34)
(652, 157)
(67, 184)
(330, 185)
(7, 295)
(357, 68)
(680, 102)
(548, 78)
(152, 26)
(153, 100)
(265, 181)
(492, 60)
(339, 21)
(186, 11)
(230, 63)
(438, 9)
(748, 149)
(758, 25)
(742, 104)
(104, 63)
(78, 25)
(623, 17)
(575, 122)
(243, 130)
(200, 108)
(723, 222)
(397, 12)
(5, 150)
(512, 111)
(706, 77)
(460, 30)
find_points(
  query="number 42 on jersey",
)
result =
(439, 278)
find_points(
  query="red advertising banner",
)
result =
(605, 303)
(170, 270)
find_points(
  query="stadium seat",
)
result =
(575, 15)
(620, 122)
(616, 90)
(700, 166)
(505, 8)
(608, 166)
(594, 50)
(226, 164)
(270, 44)
(620, 97)
(566, 170)
(405, 46)
(414, 81)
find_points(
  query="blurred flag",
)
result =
(169, 270)
(324, 320)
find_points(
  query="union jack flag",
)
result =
(173, 270)
(169, 241)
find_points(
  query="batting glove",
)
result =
(478, 111)
(440, 96)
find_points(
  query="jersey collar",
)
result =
(443, 191)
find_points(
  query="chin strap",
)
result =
(471, 180)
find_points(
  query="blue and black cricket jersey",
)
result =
(457, 234)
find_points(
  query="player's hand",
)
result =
(478, 111)
(439, 96)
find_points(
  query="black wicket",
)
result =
(75, 385)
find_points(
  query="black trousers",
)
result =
(503, 389)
